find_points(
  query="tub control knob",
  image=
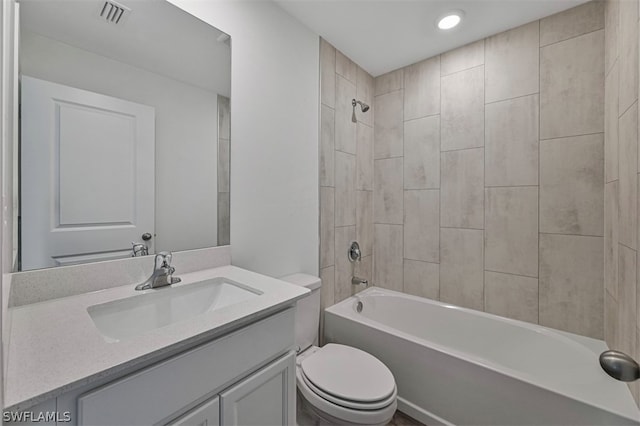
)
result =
(620, 366)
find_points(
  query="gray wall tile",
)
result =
(511, 230)
(327, 146)
(327, 296)
(344, 269)
(515, 54)
(364, 92)
(364, 157)
(364, 221)
(627, 311)
(327, 226)
(611, 237)
(387, 191)
(224, 161)
(327, 74)
(388, 125)
(389, 82)
(461, 270)
(224, 219)
(572, 87)
(345, 189)
(345, 129)
(422, 89)
(462, 58)
(422, 225)
(628, 58)
(511, 141)
(345, 67)
(387, 267)
(611, 125)
(571, 295)
(571, 23)
(611, 30)
(462, 117)
(511, 296)
(422, 279)
(628, 169)
(422, 153)
(462, 189)
(571, 191)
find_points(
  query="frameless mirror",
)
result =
(124, 133)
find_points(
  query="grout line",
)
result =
(571, 136)
(571, 235)
(539, 165)
(461, 149)
(629, 107)
(510, 186)
(511, 99)
(484, 184)
(458, 227)
(510, 273)
(459, 71)
(570, 38)
(420, 118)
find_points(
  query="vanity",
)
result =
(225, 356)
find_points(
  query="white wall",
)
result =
(186, 133)
(274, 134)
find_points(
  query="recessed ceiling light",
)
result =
(450, 20)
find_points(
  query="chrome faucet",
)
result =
(162, 273)
(359, 281)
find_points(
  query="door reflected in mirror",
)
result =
(125, 132)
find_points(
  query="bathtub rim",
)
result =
(344, 309)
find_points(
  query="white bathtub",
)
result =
(458, 366)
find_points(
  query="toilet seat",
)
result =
(347, 384)
(349, 403)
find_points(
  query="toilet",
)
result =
(337, 384)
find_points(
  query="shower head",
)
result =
(363, 107)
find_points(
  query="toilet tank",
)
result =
(307, 310)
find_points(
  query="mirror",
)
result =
(125, 131)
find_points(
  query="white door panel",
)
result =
(87, 174)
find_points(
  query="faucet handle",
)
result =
(165, 259)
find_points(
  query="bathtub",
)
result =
(458, 366)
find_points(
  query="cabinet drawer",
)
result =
(157, 392)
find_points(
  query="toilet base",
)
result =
(308, 415)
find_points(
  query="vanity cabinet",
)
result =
(207, 414)
(264, 398)
(245, 377)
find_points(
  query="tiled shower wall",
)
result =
(622, 288)
(482, 174)
(488, 171)
(346, 173)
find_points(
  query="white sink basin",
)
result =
(128, 317)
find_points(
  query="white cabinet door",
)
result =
(265, 398)
(87, 175)
(207, 414)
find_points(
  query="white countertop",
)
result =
(55, 347)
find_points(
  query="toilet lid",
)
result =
(349, 374)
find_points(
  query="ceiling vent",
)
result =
(114, 13)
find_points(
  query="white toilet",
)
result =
(337, 384)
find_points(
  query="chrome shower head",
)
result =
(363, 107)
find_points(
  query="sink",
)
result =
(124, 318)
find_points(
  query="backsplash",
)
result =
(487, 175)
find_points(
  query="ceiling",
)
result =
(155, 36)
(384, 35)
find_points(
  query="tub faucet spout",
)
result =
(359, 281)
